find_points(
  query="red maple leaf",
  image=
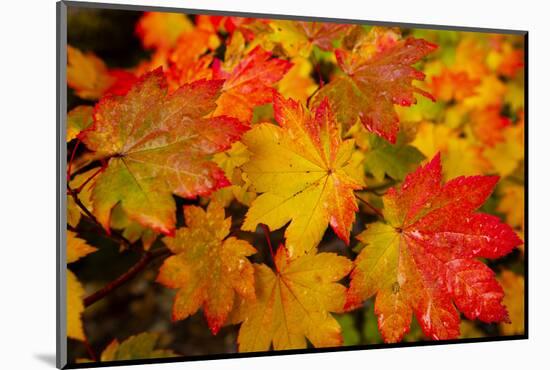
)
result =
(423, 260)
(249, 84)
(371, 86)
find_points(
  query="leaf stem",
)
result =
(268, 238)
(73, 153)
(90, 350)
(371, 207)
(145, 259)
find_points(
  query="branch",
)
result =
(145, 259)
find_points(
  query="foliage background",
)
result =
(143, 305)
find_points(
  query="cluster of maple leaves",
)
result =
(231, 109)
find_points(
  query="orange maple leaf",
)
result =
(249, 84)
(207, 269)
(158, 144)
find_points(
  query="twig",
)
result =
(371, 207)
(146, 258)
(113, 234)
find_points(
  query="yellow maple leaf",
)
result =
(305, 173)
(230, 162)
(506, 156)
(459, 155)
(491, 91)
(463, 158)
(295, 38)
(75, 307)
(76, 249)
(512, 204)
(294, 303)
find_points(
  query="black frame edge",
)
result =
(99, 5)
(61, 148)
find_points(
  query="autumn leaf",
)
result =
(504, 58)
(512, 204)
(294, 303)
(297, 84)
(298, 38)
(249, 84)
(514, 291)
(369, 88)
(230, 162)
(460, 156)
(488, 124)
(323, 34)
(137, 347)
(453, 85)
(132, 230)
(235, 50)
(190, 59)
(506, 156)
(79, 119)
(424, 259)
(91, 78)
(82, 182)
(305, 174)
(180, 47)
(76, 249)
(490, 92)
(75, 307)
(160, 30)
(471, 56)
(207, 269)
(158, 144)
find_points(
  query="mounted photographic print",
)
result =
(236, 185)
